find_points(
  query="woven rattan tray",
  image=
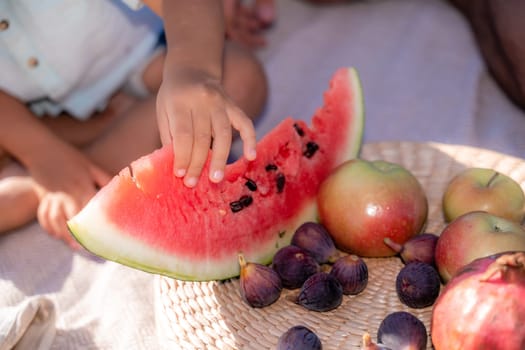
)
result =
(211, 315)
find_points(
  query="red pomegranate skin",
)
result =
(471, 314)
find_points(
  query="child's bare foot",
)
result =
(18, 200)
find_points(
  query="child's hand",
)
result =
(66, 180)
(54, 210)
(266, 11)
(193, 109)
(244, 24)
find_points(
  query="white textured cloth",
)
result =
(29, 325)
(98, 305)
(423, 80)
(422, 75)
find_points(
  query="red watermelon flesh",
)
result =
(147, 219)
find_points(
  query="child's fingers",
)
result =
(201, 146)
(181, 129)
(42, 214)
(222, 138)
(69, 208)
(246, 31)
(52, 216)
(247, 19)
(246, 130)
(251, 39)
(265, 11)
(163, 126)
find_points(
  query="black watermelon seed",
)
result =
(252, 186)
(246, 200)
(300, 131)
(236, 206)
(271, 167)
(280, 180)
(311, 148)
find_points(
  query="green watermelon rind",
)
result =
(358, 125)
(111, 237)
(95, 232)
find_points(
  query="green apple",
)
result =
(363, 202)
(486, 190)
(474, 235)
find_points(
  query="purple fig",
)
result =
(315, 239)
(417, 285)
(402, 330)
(260, 285)
(321, 292)
(294, 265)
(299, 337)
(418, 248)
(351, 271)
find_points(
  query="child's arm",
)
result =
(192, 106)
(21, 135)
(65, 179)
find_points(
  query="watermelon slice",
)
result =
(147, 219)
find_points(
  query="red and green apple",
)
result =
(475, 235)
(486, 190)
(362, 202)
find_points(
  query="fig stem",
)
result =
(492, 178)
(367, 340)
(333, 258)
(393, 245)
(503, 263)
(242, 260)
(368, 343)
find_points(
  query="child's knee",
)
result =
(245, 79)
(18, 202)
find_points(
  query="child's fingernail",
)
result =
(252, 154)
(217, 175)
(180, 172)
(191, 181)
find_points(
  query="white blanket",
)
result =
(422, 74)
(423, 80)
(28, 325)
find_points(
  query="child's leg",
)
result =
(18, 200)
(245, 79)
(132, 133)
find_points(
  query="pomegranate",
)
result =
(482, 306)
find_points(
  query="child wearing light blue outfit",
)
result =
(85, 89)
(36, 70)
